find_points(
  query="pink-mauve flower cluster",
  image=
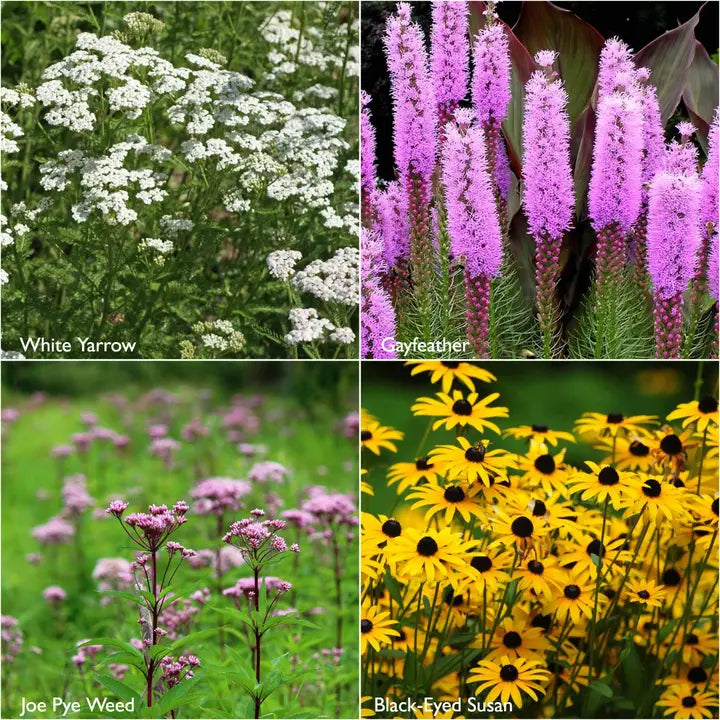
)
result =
(56, 531)
(164, 448)
(615, 68)
(301, 519)
(368, 169)
(62, 451)
(449, 54)
(415, 113)
(217, 495)
(177, 614)
(616, 178)
(11, 636)
(84, 653)
(472, 221)
(491, 76)
(194, 430)
(152, 529)
(673, 232)
(257, 540)
(175, 671)
(9, 415)
(54, 595)
(245, 587)
(549, 193)
(351, 425)
(330, 508)
(75, 495)
(112, 574)
(268, 472)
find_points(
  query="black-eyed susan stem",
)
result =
(484, 615)
(415, 643)
(499, 616)
(593, 627)
(702, 460)
(431, 622)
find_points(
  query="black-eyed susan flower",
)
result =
(448, 371)
(602, 483)
(513, 639)
(701, 413)
(457, 497)
(575, 599)
(580, 556)
(472, 462)
(630, 453)
(695, 644)
(365, 486)
(375, 627)
(612, 424)
(657, 500)
(518, 529)
(380, 532)
(562, 675)
(461, 411)
(539, 433)
(429, 555)
(375, 436)
(542, 469)
(645, 592)
(541, 576)
(410, 474)
(670, 448)
(491, 569)
(508, 679)
(681, 701)
(366, 711)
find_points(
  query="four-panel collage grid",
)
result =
(359, 359)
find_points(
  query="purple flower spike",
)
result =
(616, 67)
(491, 79)
(449, 55)
(549, 197)
(673, 244)
(378, 315)
(368, 170)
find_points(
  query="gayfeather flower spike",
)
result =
(414, 134)
(614, 197)
(549, 196)
(472, 221)
(260, 544)
(378, 314)
(450, 50)
(673, 243)
(491, 98)
(151, 532)
(368, 170)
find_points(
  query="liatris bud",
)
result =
(414, 134)
(378, 316)
(449, 55)
(491, 97)
(368, 170)
(549, 196)
(673, 242)
(615, 67)
(616, 182)
(472, 221)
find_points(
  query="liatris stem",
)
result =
(698, 288)
(668, 325)
(477, 312)
(609, 263)
(421, 247)
(547, 255)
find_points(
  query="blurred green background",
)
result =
(552, 393)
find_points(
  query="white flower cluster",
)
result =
(141, 23)
(307, 326)
(333, 280)
(281, 263)
(219, 335)
(162, 247)
(172, 226)
(106, 183)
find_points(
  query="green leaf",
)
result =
(701, 92)
(666, 630)
(119, 689)
(393, 587)
(544, 26)
(669, 57)
(110, 642)
(175, 696)
(601, 688)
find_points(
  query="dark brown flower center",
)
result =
(708, 404)
(644, 594)
(595, 548)
(614, 418)
(571, 592)
(652, 488)
(365, 435)
(462, 407)
(423, 463)
(671, 577)
(697, 675)
(545, 464)
(509, 673)
(482, 563)
(454, 494)
(450, 364)
(512, 640)
(365, 626)
(689, 701)
(692, 639)
(427, 547)
(539, 428)
(522, 527)
(392, 528)
(671, 445)
(638, 449)
(536, 567)
(608, 476)
(539, 509)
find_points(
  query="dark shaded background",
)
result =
(637, 23)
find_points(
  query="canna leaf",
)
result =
(701, 92)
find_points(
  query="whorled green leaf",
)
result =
(701, 91)
(544, 26)
(669, 57)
